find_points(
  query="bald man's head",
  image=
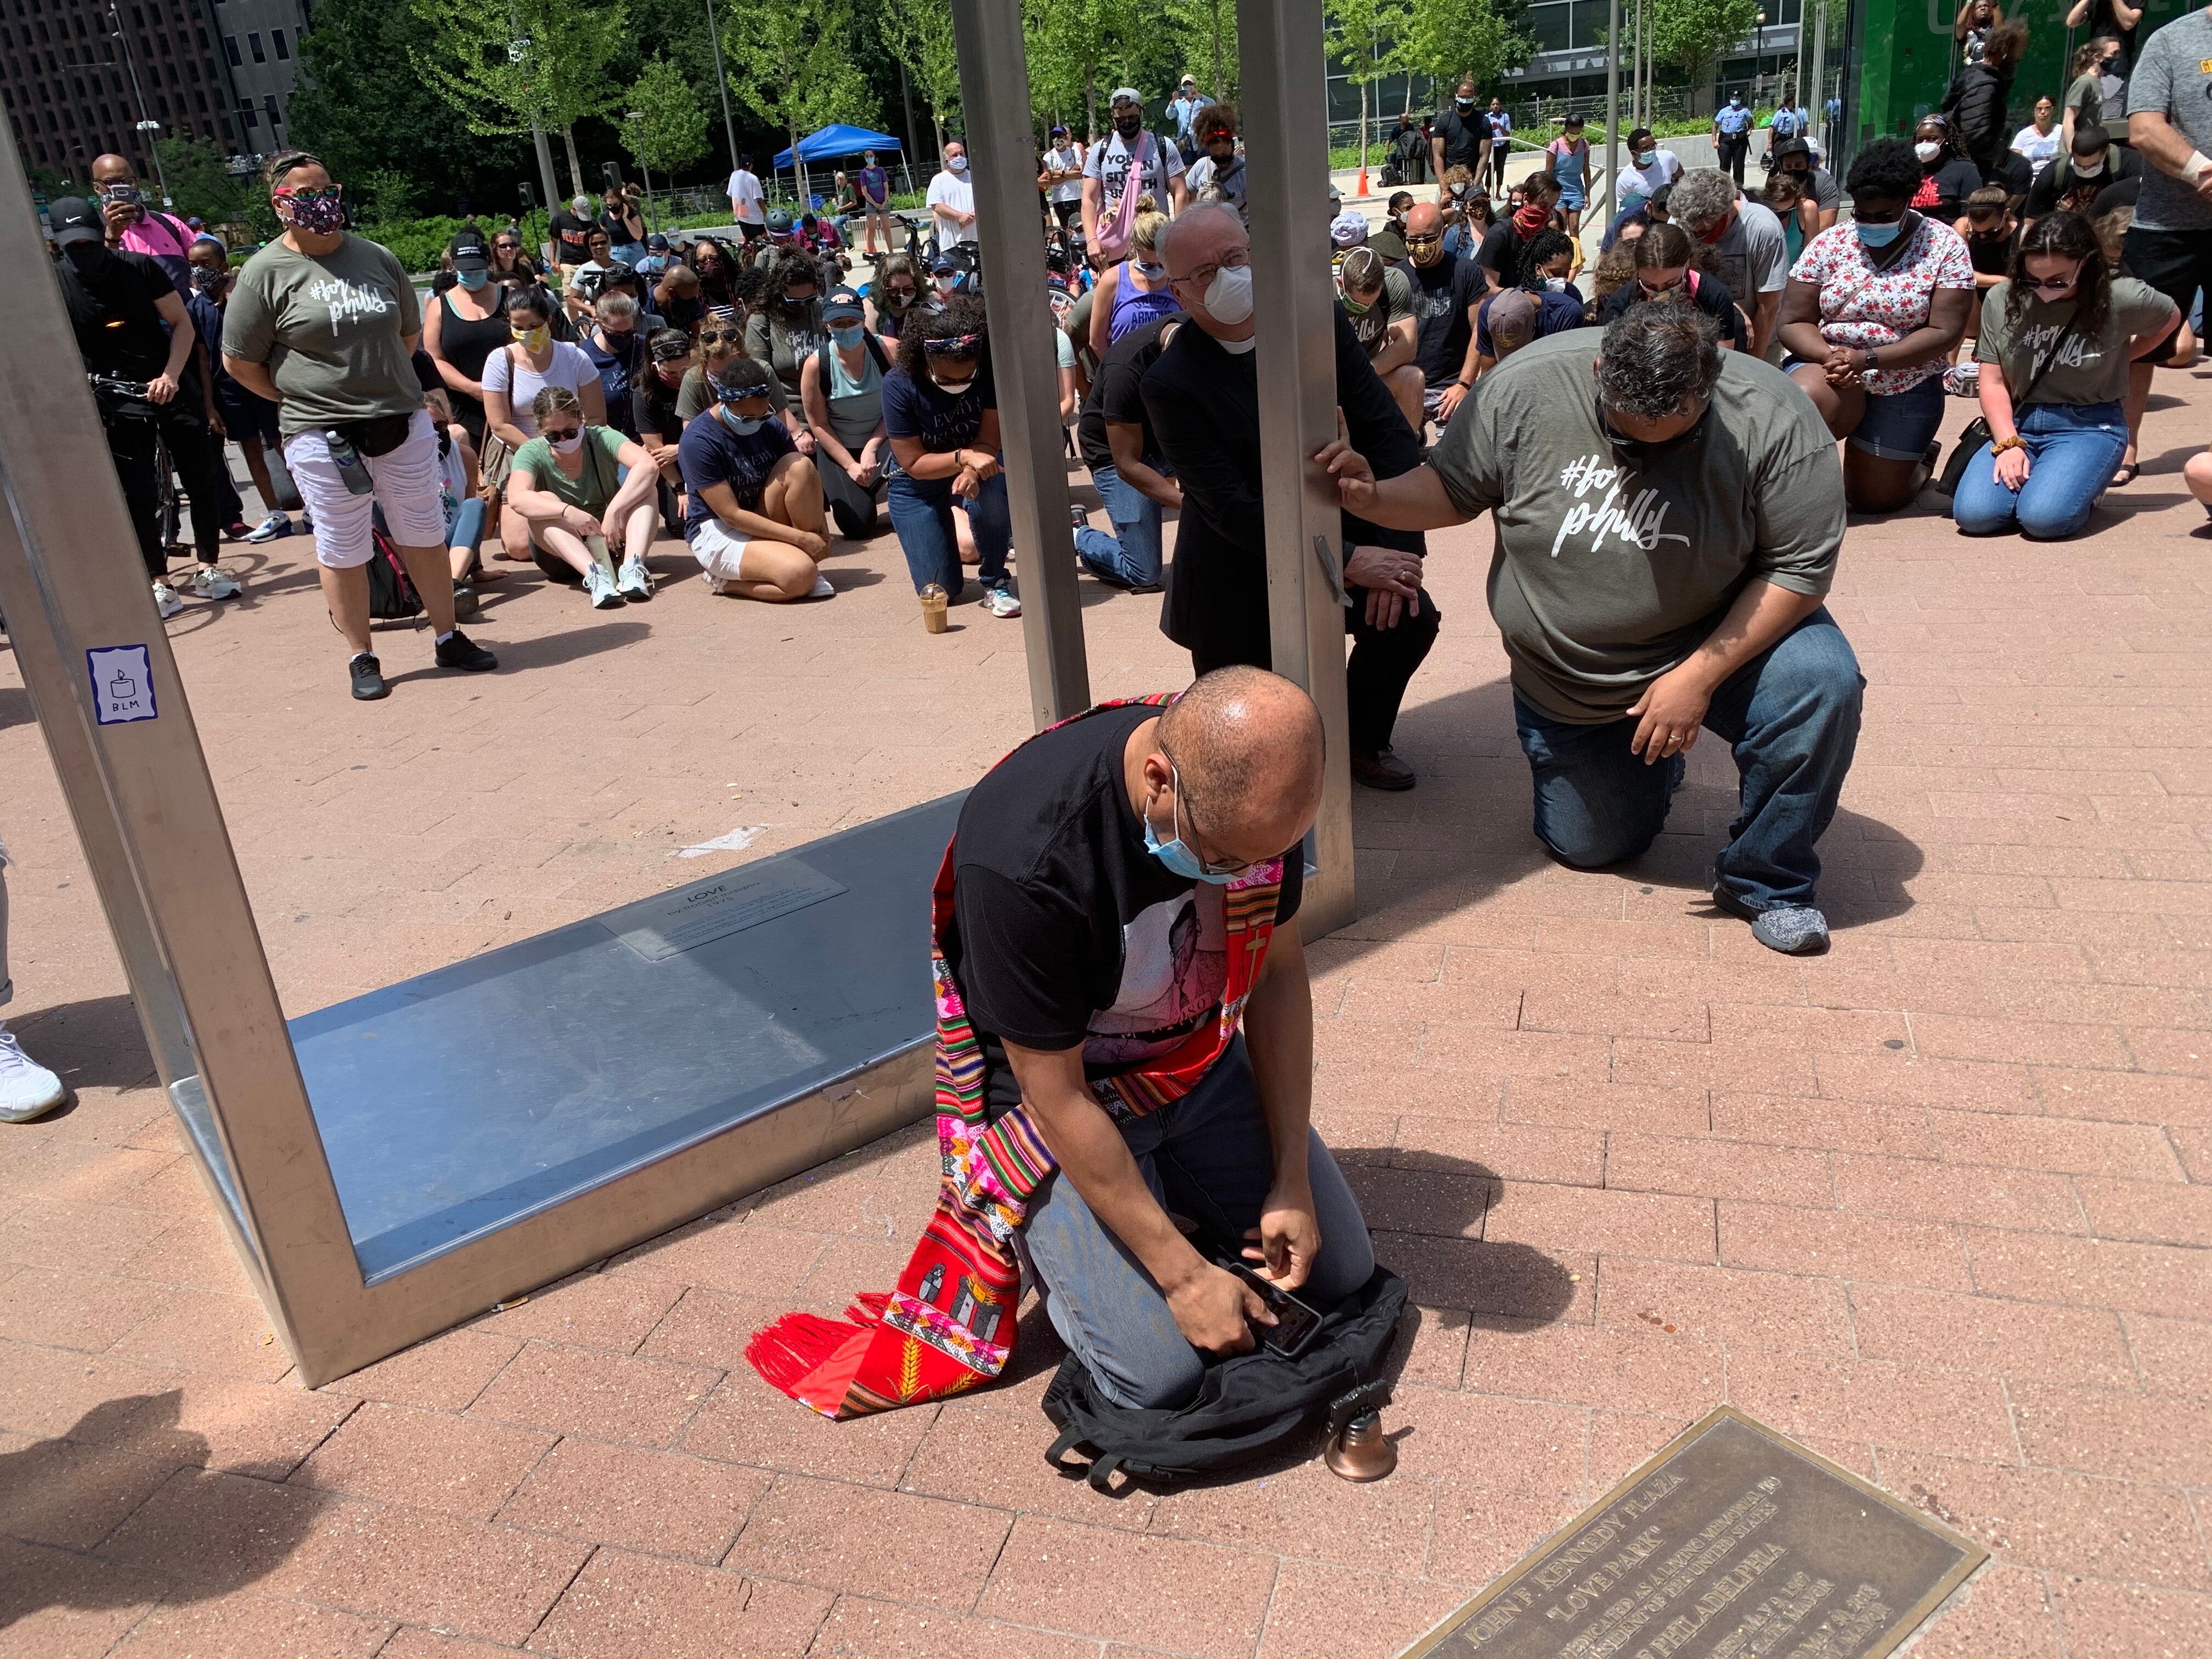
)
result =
(112, 170)
(1248, 747)
(1424, 232)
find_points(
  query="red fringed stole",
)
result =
(950, 1324)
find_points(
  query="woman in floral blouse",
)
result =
(1873, 310)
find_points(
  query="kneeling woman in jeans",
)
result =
(576, 484)
(942, 418)
(2057, 337)
(754, 521)
(1871, 315)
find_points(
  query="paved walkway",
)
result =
(1940, 1203)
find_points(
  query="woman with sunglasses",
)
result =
(325, 324)
(581, 493)
(721, 339)
(513, 375)
(754, 522)
(2057, 337)
(508, 258)
(892, 295)
(712, 264)
(941, 414)
(1667, 269)
(464, 326)
(1872, 312)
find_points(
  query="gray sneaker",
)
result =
(1795, 929)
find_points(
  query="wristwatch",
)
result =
(1871, 365)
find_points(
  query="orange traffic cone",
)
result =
(1363, 178)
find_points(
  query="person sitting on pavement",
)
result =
(1664, 547)
(512, 377)
(1749, 252)
(893, 295)
(941, 412)
(1874, 311)
(2057, 337)
(1378, 302)
(1794, 156)
(2091, 165)
(615, 345)
(1134, 479)
(1203, 397)
(754, 521)
(1135, 292)
(1668, 265)
(1124, 1001)
(841, 388)
(659, 426)
(1447, 287)
(583, 493)
(1554, 303)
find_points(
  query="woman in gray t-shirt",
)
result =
(2056, 340)
(326, 323)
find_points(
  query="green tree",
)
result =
(1693, 33)
(1370, 39)
(505, 64)
(1449, 39)
(919, 34)
(205, 188)
(361, 105)
(1076, 45)
(795, 67)
(1210, 26)
(673, 132)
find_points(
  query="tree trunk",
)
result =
(1362, 129)
(575, 167)
(799, 169)
(1090, 103)
(1218, 92)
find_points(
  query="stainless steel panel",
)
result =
(1002, 153)
(1287, 166)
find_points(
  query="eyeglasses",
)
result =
(506, 246)
(559, 434)
(2054, 284)
(311, 192)
(721, 336)
(1426, 241)
(1184, 814)
(1203, 277)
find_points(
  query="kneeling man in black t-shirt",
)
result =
(1123, 935)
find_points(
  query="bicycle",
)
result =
(168, 512)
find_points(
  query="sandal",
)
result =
(2127, 475)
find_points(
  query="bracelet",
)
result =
(2002, 444)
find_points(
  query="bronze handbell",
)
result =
(1357, 1448)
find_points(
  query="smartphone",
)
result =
(1295, 1324)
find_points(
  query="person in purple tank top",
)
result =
(1135, 291)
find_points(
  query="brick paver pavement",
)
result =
(1939, 1202)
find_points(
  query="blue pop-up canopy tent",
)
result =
(841, 139)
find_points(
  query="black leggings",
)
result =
(206, 480)
(1383, 662)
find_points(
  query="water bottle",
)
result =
(347, 460)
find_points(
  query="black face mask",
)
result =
(86, 256)
(1128, 125)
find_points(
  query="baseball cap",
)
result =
(71, 219)
(656, 243)
(1130, 94)
(468, 252)
(942, 262)
(842, 305)
(1349, 229)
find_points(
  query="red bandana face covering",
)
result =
(949, 1326)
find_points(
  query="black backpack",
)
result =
(1246, 1405)
(392, 595)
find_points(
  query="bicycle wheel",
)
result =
(167, 519)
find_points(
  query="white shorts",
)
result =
(407, 489)
(720, 552)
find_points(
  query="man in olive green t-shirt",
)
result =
(1668, 517)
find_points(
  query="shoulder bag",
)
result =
(1976, 432)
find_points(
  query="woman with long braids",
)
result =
(2057, 337)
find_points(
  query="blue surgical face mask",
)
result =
(473, 280)
(1878, 236)
(1177, 856)
(1150, 273)
(744, 426)
(847, 335)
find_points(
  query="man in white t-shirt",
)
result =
(748, 202)
(1127, 150)
(1060, 178)
(952, 197)
(1648, 169)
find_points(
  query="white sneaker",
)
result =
(822, 589)
(210, 583)
(275, 524)
(715, 585)
(27, 1090)
(1001, 602)
(601, 589)
(166, 600)
(633, 583)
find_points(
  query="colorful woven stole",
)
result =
(949, 1325)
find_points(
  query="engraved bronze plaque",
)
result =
(1731, 1542)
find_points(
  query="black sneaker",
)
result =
(456, 650)
(367, 678)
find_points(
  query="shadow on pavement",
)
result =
(97, 1043)
(206, 1532)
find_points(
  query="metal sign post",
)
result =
(1284, 80)
(995, 81)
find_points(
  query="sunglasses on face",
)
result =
(2054, 284)
(560, 435)
(311, 193)
(1424, 241)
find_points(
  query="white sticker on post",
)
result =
(122, 684)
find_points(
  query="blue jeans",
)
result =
(1130, 557)
(1792, 717)
(2073, 450)
(921, 514)
(1207, 1157)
